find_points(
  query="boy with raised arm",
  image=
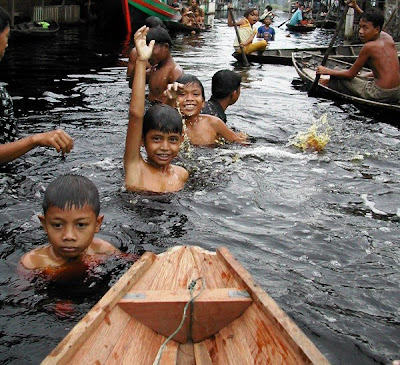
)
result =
(71, 207)
(201, 129)
(160, 130)
(379, 50)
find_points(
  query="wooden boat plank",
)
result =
(228, 348)
(260, 332)
(186, 354)
(138, 344)
(279, 318)
(81, 332)
(169, 272)
(201, 355)
(218, 274)
(97, 347)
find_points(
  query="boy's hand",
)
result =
(321, 70)
(352, 3)
(144, 51)
(58, 139)
(173, 90)
(242, 138)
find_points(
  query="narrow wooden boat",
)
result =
(306, 63)
(35, 29)
(326, 24)
(156, 8)
(230, 319)
(283, 56)
(177, 27)
(301, 28)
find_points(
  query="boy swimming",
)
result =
(201, 129)
(160, 130)
(71, 207)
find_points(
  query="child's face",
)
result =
(253, 17)
(70, 232)
(367, 31)
(267, 21)
(162, 147)
(191, 100)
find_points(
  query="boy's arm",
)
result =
(352, 71)
(353, 4)
(58, 139)
(230, 20)
(136, 108)
(223, 131)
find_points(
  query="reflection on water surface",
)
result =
(318, 231)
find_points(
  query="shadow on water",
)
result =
(319, 231)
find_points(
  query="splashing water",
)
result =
(186, 146)
(316, 138)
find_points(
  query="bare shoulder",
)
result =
(175, 73)
(37, 258)
(100, 246)
(213, 120)
(181, 172)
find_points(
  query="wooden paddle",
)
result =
(328, 51)
(283, 23)
(244, 58)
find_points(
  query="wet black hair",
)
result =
(375, 16)
(159, 35)
(163, 118)
(191, 79)
(248, 11)
(5, 20)
(71, 190)
(153, 21)
(225, 82)
(268, 7)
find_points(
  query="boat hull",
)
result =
(284, 56)
(305, 64)
(128, 324)
(156, 8)
(33, 30)
(300, 28)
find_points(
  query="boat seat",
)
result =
(162, 310)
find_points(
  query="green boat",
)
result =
(156, 8)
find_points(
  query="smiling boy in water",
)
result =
(201, 129)
(71, 207)
(160, 130)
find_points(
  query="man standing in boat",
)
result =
(379, 50)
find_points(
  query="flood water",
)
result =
(318, 231)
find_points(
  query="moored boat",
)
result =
(36, 29)
(156, 8)
(283, 56)
(230, 319)
(301, 28)
(306, 63)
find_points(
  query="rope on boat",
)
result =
(192, 299)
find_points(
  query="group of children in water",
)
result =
(176, 107)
